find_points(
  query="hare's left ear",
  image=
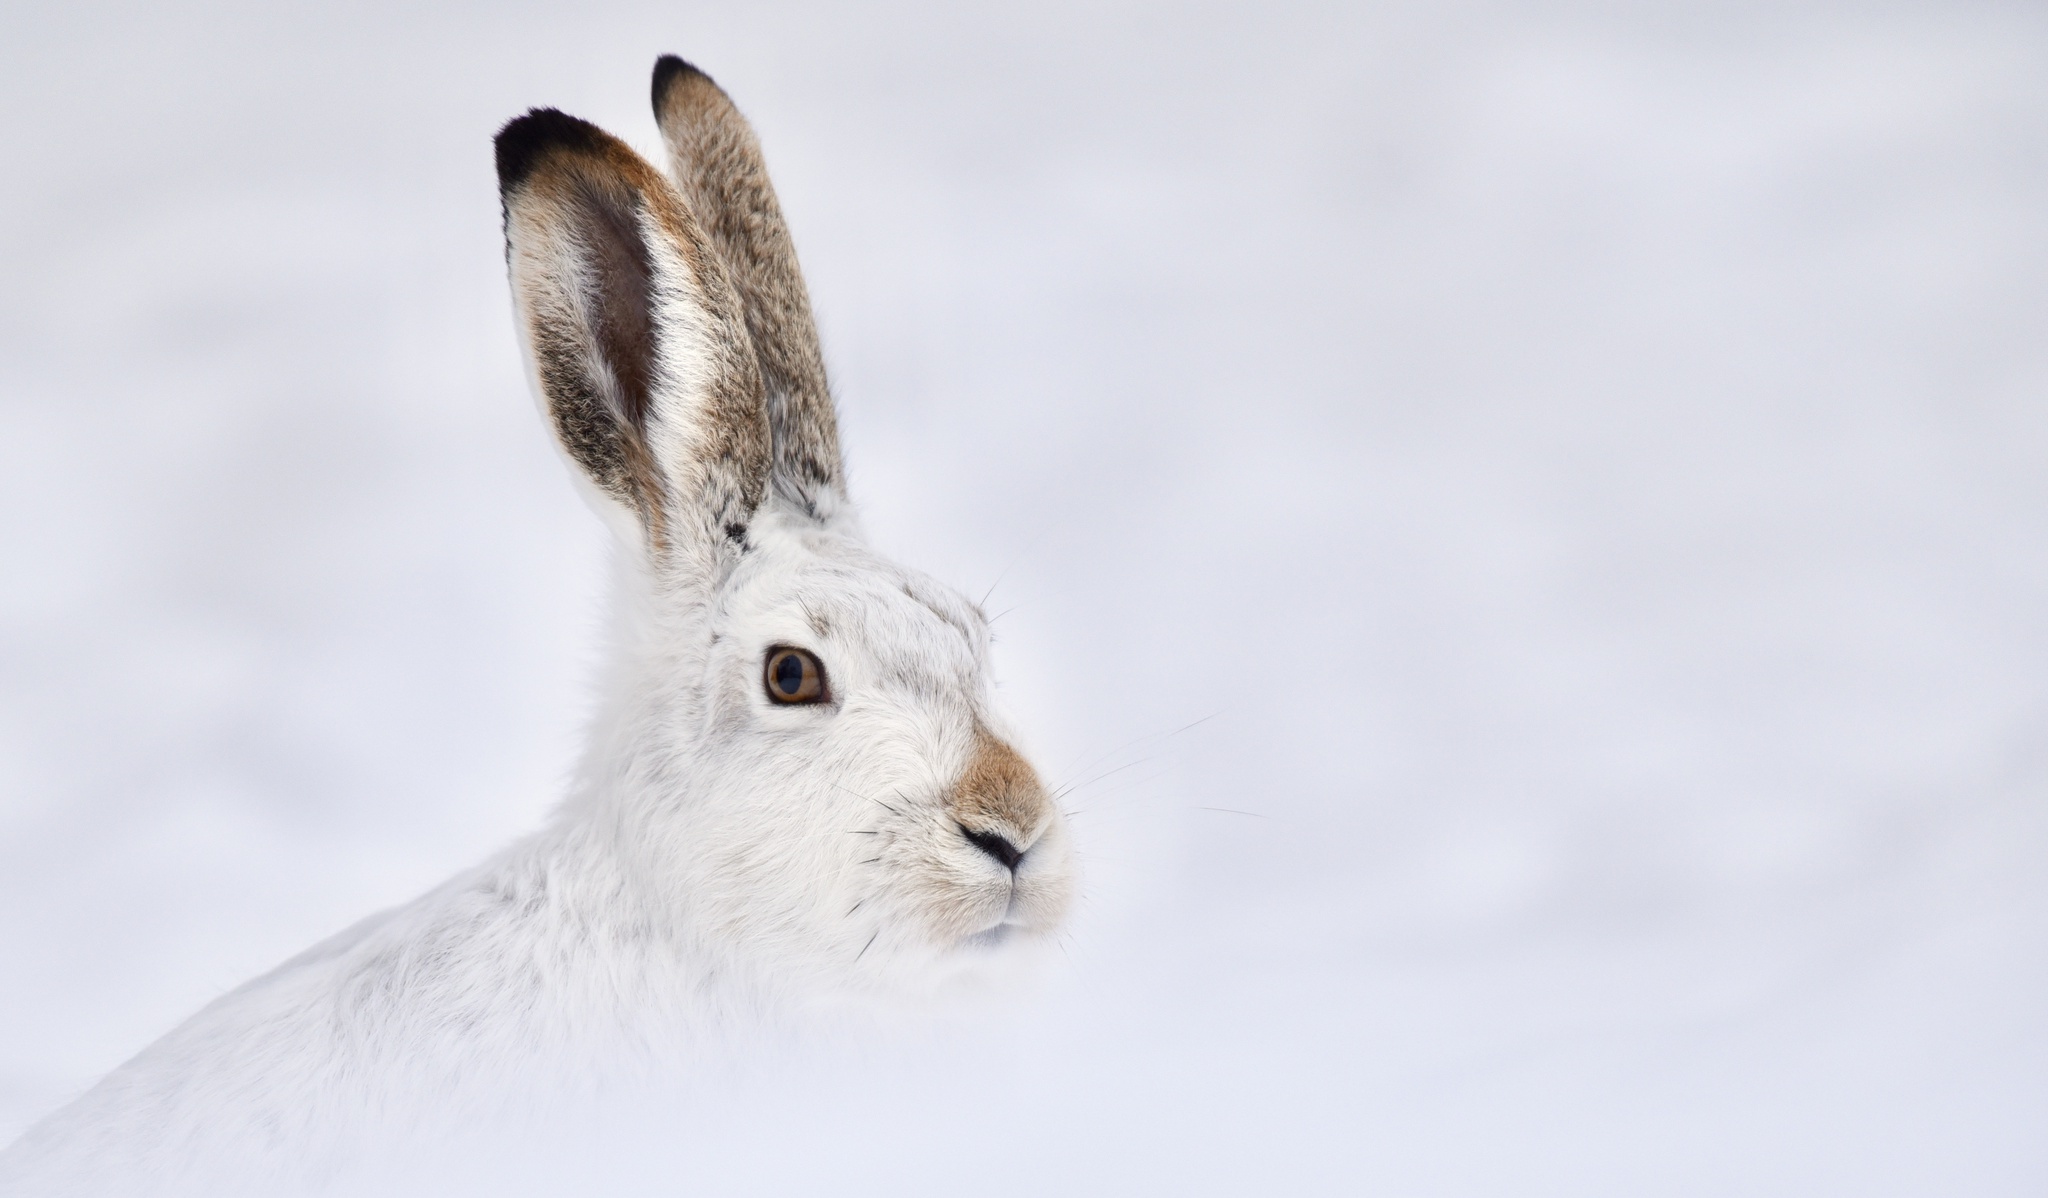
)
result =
(636, 340)
(716, 162)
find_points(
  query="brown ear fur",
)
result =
(717, 164)
(636, 334)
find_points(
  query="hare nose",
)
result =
(995, 846)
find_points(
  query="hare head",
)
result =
(799, 769)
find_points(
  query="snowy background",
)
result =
(1585, 465)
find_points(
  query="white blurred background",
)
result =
(1584, 465)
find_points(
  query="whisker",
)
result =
(1109, 773)
(998, 582)
(865, 947)
(1127, 784)
(870, 798)
(1092, 761)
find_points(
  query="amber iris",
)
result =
(794, 676)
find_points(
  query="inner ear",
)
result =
(635, 337)
(618, 290)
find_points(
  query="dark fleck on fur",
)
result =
(523, 141)
(668, 71)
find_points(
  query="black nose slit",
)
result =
(995, 846)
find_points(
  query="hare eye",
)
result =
(794, 676)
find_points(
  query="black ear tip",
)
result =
(669, 71)
(526, 139)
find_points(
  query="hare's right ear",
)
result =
(716, 161)
(635, 338)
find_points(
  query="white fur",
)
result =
(720, 861)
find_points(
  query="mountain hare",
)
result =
(797, 785)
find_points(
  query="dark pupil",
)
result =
(789, 674)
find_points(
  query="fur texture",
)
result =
(722, 857)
